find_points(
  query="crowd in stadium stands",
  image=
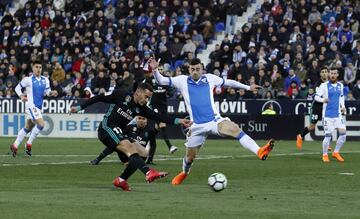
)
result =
(104, 44)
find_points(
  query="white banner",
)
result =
(56, 125)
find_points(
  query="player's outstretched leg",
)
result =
(229, 128)
(249, 143)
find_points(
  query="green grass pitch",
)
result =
(58, 182)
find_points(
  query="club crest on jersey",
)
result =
(204, 80)
(128, 99)
(137, 110)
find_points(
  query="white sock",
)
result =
(248, 143)
(20, 137)
(326, 143)
(186, 165)
(340, 142)
(35, 131)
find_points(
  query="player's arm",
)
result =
(150, 114)
(48, 91)
(23, 84)
(238, 85)
(160, 79)
(342, 100)
(219, 82)
(320, 93)
(115, 97)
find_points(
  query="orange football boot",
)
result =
(264, 151)
(338, 156)
(299, 141)
(325, 158)
(177, 180)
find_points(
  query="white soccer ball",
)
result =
(217, 182)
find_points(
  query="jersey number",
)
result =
(117, 130)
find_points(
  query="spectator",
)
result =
(356, 90)
(58, 73)
(291, 78)
(349, 74)
(188, 47)
(100, 82)
(56, 86)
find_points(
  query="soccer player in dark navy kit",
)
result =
(316, 110)
(158, 103)
(123, 109)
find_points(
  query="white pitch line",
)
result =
(162, 158)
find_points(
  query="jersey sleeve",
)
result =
(25, 82)
(320, 93)
(215, 80)
(47, 87)
(115, 97)
(178, 81)
(150, 114)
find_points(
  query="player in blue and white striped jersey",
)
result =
(36, 87)
(331, 94)
(197, 90)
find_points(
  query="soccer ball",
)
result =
(217, 182)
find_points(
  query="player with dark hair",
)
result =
(197, 90)
(331, 93)
(123, 109)
(36, 87)
(316, 110)
(158, 103)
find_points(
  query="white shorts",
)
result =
(198, 133)
(330, 124)
(33, 113)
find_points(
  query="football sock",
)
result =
(340, 142)
(166, 139)
(304, 132)
(104, 153)
(326, 143)
(247, 142)
(129, 170)
(186, 165)
(138, 162)
(20, 137)
(152, 141)
(35, 131)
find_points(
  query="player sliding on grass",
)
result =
(122, 110)
(36, 87)
(316, 110)
(197, 90)
(331, 93)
